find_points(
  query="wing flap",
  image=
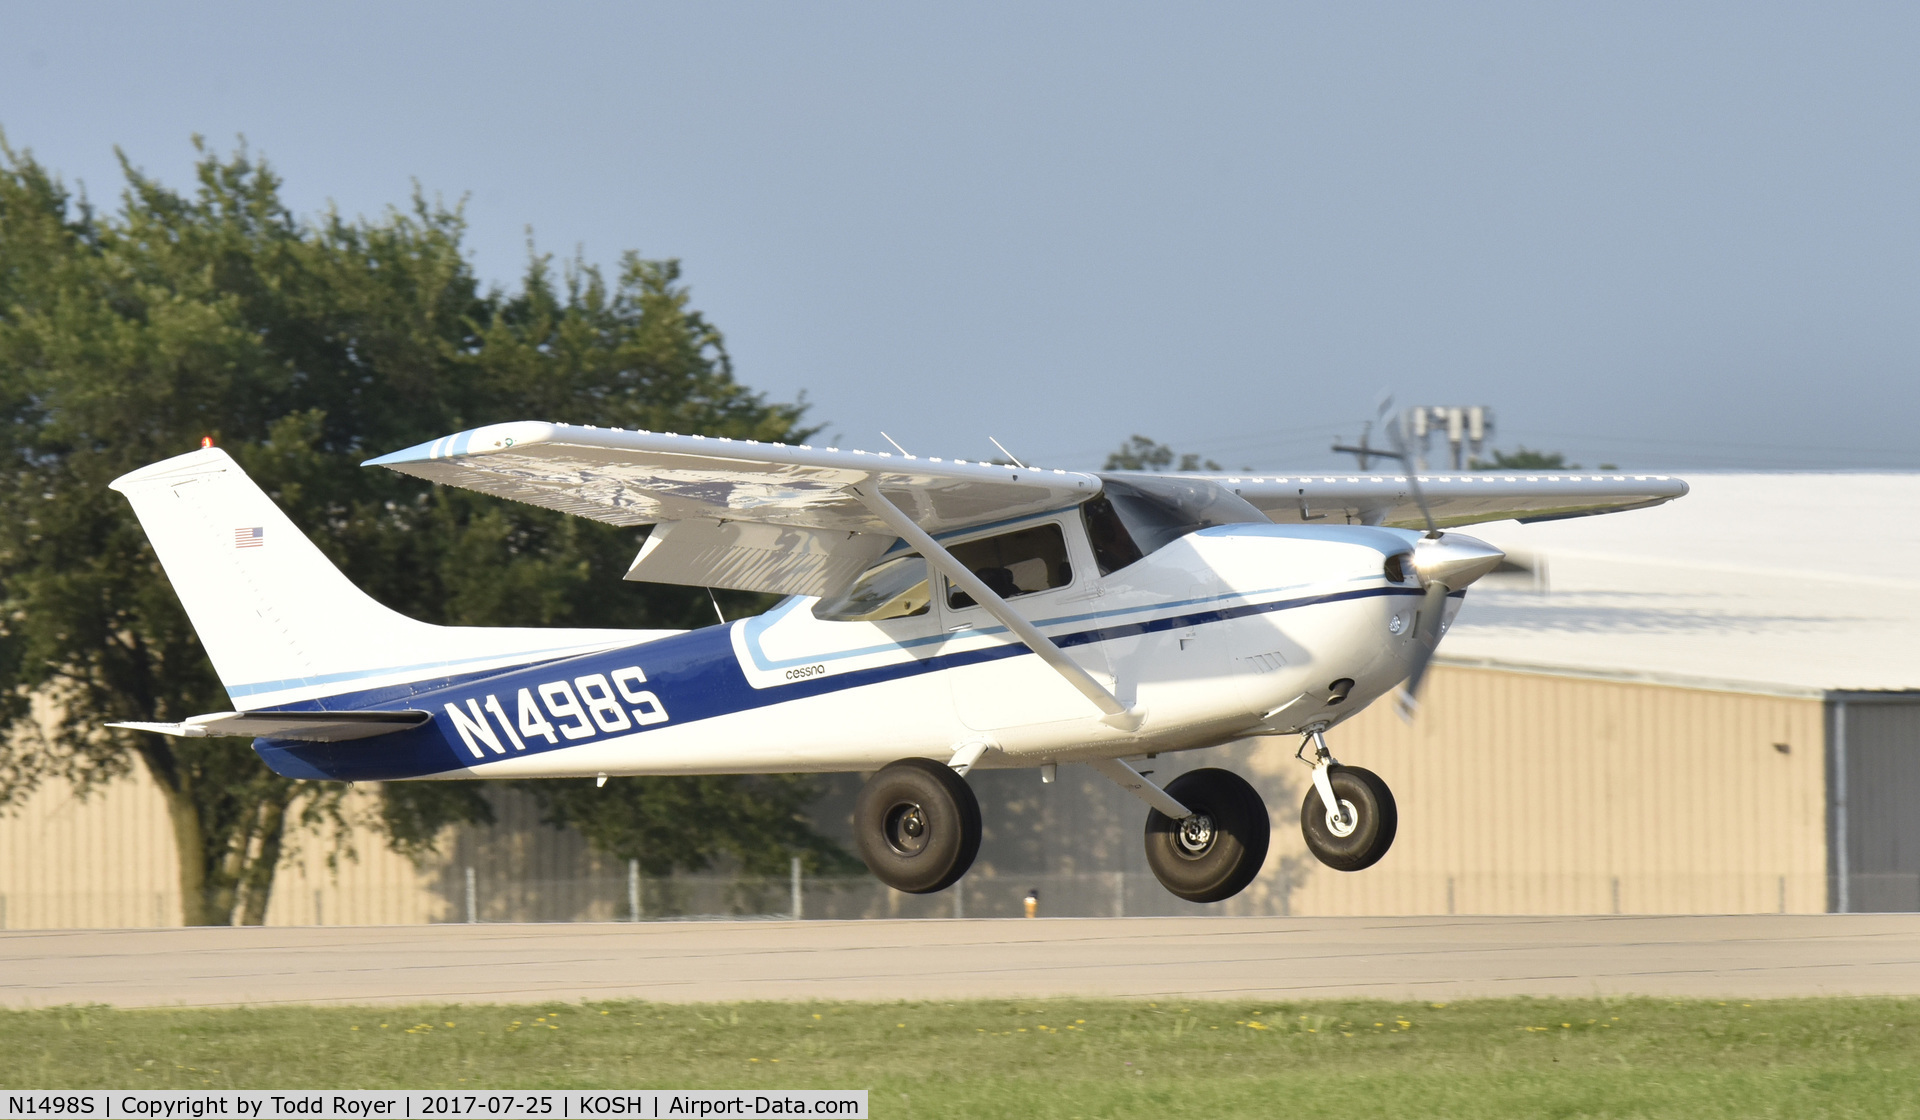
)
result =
(752, 556)
(1454, 499)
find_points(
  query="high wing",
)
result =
(1461, 499)
(774, 517)
(735, 513)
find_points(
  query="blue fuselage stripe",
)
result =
(696, 674)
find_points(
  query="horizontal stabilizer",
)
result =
(305, 727)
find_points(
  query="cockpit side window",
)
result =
(895, 588)
(1014, 564)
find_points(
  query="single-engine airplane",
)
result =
(941, 615)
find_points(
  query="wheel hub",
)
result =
(905, 828)
(1195, 835)
(1346, 822)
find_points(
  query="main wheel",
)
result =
(1217, 851)
(1359, 841)
(917, 825)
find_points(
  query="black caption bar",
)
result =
(409, 1104)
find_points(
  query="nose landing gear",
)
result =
(1349, 817)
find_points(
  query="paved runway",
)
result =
(1420, 958)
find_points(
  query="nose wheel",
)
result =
(1348, 818)
(917, 825)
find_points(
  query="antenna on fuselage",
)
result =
(1008, 454)
(896, 444)
(715, 600)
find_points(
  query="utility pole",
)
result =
(1466, 429)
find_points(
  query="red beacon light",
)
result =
(206, 441)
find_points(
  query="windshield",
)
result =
(1137, 515)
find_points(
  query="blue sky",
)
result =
(1662, 235)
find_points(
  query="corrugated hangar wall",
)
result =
(1529, 793)
(1518, 793)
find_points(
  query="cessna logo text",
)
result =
(575, 709)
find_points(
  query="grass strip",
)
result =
(1042, 1058)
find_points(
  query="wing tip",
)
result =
(483, 440)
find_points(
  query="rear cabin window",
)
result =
(1014, 564)
(895, 588)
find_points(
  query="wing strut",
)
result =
(1117, 715)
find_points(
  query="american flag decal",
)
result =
(249, 538)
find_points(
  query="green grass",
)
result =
(1056, 1058)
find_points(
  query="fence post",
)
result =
(633, 890)
(797, 909)
(473, 907)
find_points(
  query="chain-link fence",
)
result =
(475, 893)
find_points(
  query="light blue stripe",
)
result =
(533, 656)
(754, 627)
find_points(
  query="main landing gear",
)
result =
(1349, 817)
(1216, 851)
(917, 825)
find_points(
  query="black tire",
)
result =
(917, 825)
(1215, 853)
(1376, 820)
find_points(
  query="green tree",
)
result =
(304, 347)
(1523, 458)
(1143, 454)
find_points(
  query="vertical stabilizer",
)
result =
(268, 605)
(280, 622)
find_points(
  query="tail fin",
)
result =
(280, 622)
(268, 605)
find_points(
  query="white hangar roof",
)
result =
(1779, 582)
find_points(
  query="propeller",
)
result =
(1444, 564)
